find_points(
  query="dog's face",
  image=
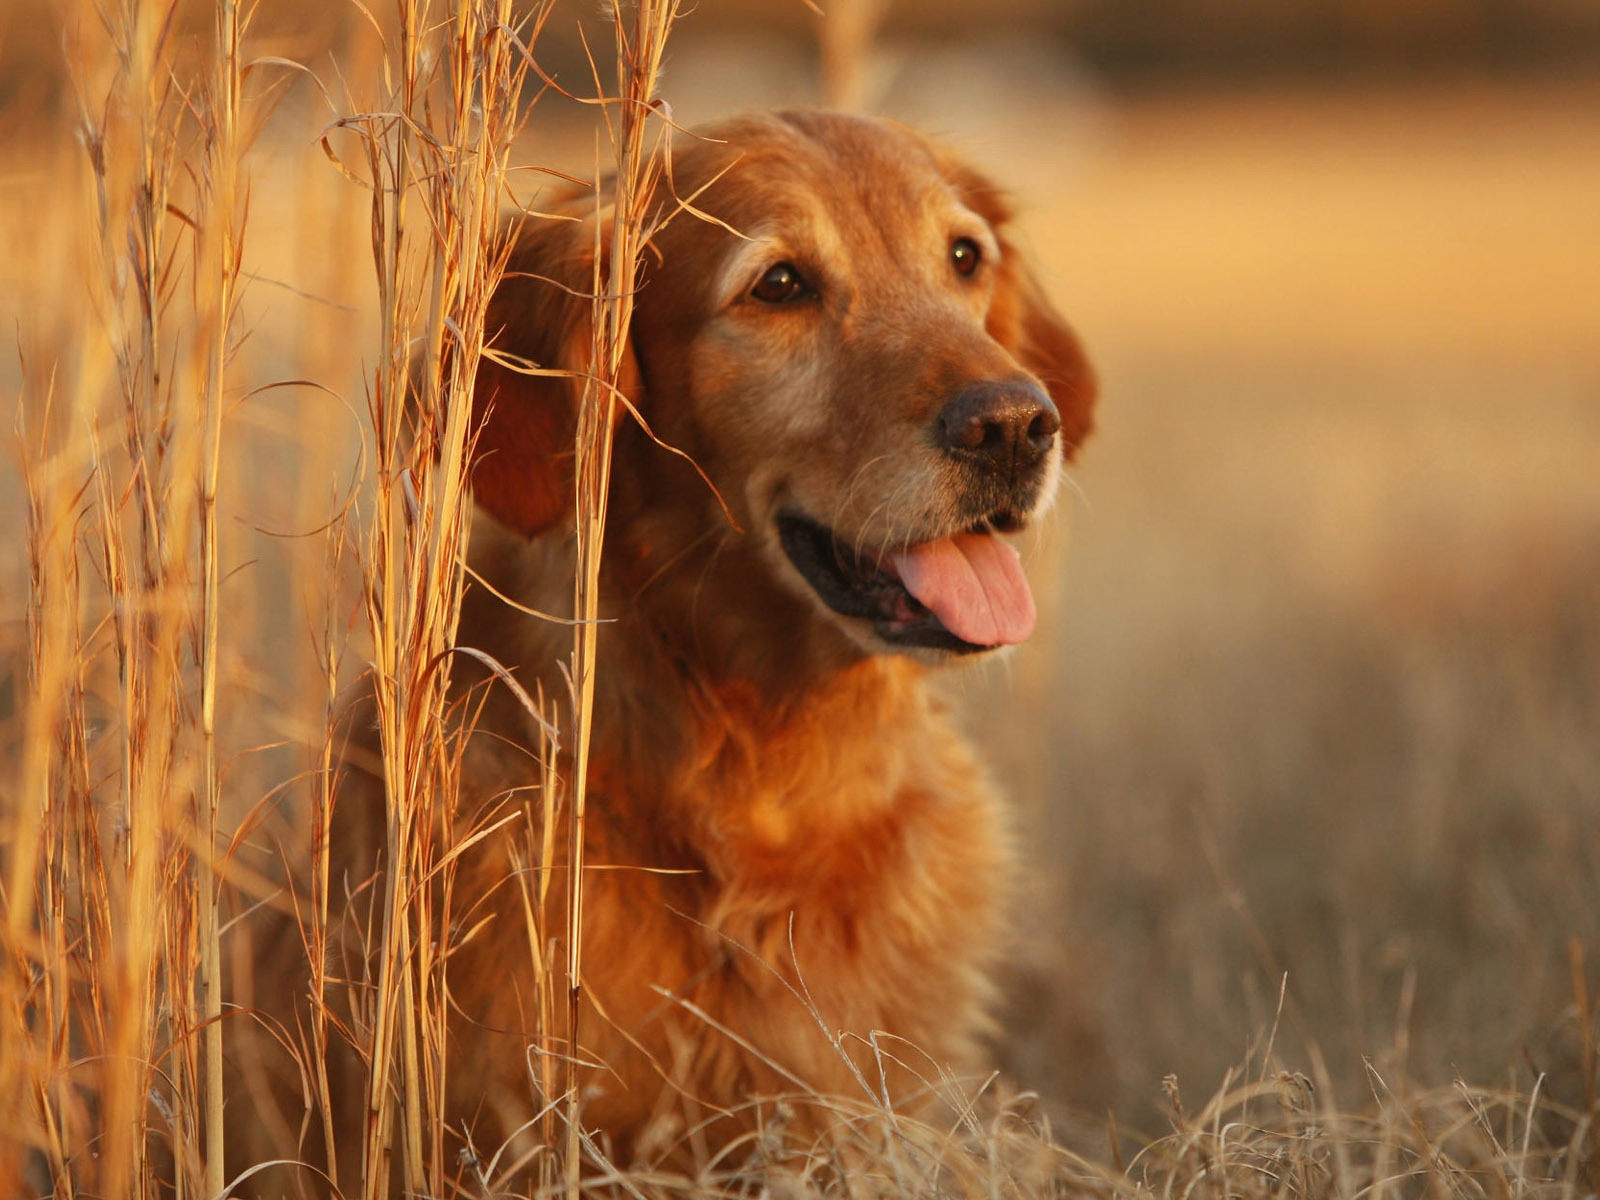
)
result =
(854, 353)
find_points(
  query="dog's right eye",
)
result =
(965, 255)
(780, 285)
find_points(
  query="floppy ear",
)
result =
(1022, 318)
(540, 313)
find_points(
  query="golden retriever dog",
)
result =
(791, 840)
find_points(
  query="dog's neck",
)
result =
(716, 646)
(707, 669)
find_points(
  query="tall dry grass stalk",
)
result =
(112, 984)
(436, 157)
(219, 233)
(117, 849)
(638, 136)
(845, 32)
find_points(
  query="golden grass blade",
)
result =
(639, 49)
(216, 282)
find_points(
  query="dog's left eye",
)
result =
(780, 284)
(965, 255)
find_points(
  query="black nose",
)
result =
(1007, 426)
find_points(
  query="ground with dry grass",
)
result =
(1306, 759)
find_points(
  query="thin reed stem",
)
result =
(215, 291)
(637, 165)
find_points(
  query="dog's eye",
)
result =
(965, 255)
(780, 284)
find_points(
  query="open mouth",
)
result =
(963, 593)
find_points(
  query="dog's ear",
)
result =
(541, 313)
(1022, 317)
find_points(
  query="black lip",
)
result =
(855, 586)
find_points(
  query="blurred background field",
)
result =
(1318, 697)
(1326, 693)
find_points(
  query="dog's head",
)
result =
(853, 351)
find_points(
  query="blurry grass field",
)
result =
(1326, 684)
(1320, 696)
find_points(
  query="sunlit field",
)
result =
(1324, 693)
(1306, 754)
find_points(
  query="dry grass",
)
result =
(239, 486)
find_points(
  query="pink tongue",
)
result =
(974, 585)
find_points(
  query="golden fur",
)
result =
(782, 805)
